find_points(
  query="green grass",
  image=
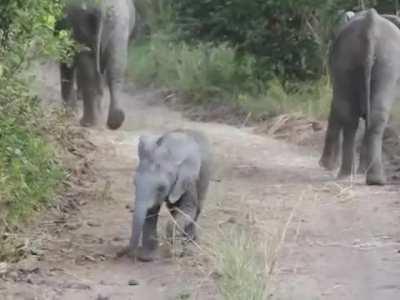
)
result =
(242, 267)
(208, 73)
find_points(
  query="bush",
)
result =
(208, 73)
(289, 38)
(203, 71)
(29, 173)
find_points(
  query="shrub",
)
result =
(29, 173)
(203, 71)
(289, 38)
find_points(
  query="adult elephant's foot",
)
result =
(115, 119)
(343, 174)
(376, 178)
(70, 102)
(328, 163)
(88, 122)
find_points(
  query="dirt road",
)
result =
(342, 240)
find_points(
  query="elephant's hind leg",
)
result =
(349, 134)
(185, 215)
(116, 67)
(89, 83)
(330, 154)
(381, 103)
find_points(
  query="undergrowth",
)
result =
(29, 172)
(208, 73)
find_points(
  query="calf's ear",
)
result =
(187, 175)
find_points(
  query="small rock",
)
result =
(216, 275)
(3, 268)
(133, 282)
(93, 224)
(316, 126)
(73, 226)
(231, 220)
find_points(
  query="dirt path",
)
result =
(342, 242)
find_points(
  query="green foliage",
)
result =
(288, 37)
(208, 73)
(29, 173)
(202, 71)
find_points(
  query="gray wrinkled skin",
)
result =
(173, 168)
(103, 28)
(365, 71)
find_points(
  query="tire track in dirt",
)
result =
(343, 241)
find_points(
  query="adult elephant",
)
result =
(102, 28)
(365, 72)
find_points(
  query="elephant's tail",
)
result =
(98, 42)
(370, 18)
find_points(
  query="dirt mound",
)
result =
(293, 128)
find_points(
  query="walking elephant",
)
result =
(365, 71)
(173, 168)
(102, 28)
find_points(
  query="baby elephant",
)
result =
(173, 168)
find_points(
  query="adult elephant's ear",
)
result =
(188, 172)
(147, 144)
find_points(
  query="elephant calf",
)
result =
(365, 71)
(173, 168)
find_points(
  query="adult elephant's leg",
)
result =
(375, 173)
(116, 67)
(381, 103)
(330, 153)
(89, 84)
(67, 74)
(349, 134)
(363, 165)
(150, 239)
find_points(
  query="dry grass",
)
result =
(241, 257)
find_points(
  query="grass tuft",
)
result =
(242, 268)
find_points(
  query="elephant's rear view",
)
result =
(365, 71)
(103, 28)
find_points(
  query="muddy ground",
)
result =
(341, 238)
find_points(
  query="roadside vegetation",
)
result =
(29, 170)
(264, 57)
